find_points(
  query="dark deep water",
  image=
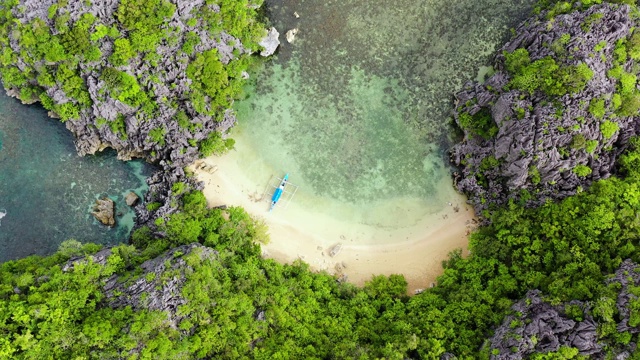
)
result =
(48, 190)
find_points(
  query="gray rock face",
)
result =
(628, 276)
(541, 139)
(110, 122)
(270, 43)
(542, 328)
(104, 211)
(131, 199)
(98, 258)
(159, 286)
(539, 327)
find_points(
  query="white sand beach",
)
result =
(388, 238)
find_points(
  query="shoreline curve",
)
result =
(415, 251)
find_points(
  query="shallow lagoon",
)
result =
(357, 111)
(48, 190)
(358, 107)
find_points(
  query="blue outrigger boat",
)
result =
(278, 193)
(280, 190)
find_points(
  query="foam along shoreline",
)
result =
(308, 228)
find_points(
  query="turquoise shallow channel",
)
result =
(357, 108)
(48, 190)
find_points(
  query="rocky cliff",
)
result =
(593, 329)
(174, 128)
(159, 284)
(152, 79)
(558, 111)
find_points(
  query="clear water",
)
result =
(48, 191)
(358, 107)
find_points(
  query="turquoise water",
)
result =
(358, 107)
(48, 190)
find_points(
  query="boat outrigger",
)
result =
(278, 193)
(281, 191)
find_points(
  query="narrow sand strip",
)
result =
(368, 247)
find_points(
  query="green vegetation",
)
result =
(591, 146)
(565, 249)
(582, 170)
(215, 144)
(157, 135)
(608, 128)
(578, 142)
(534, 175)
(480, 124)
(545, 74)
(597, 108)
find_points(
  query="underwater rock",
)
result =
(270, 43)
(545, 146)
(104, 211)
(291, 35)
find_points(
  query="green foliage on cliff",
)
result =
(545, 74)
(131, 52)
(480, 124)
(215, 144)
(608, 128)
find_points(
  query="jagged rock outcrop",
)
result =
(164, 79)
(539, 327)
(628, 276)
(104, 211)
(143, 105)
(98, 258)
(548, 147)
(270, 43)
(131, 198)
(159, 285)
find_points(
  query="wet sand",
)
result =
(388, 239)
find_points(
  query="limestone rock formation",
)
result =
(543, 146)
(131, 198)
(159, 285)
(291, 35)
(111, 122)
(536, 326)
(542, 328)
(104, 211)
(145, 104)
(270, 42)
